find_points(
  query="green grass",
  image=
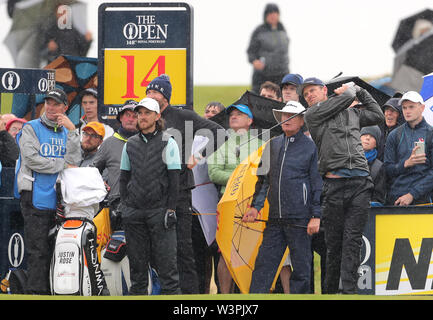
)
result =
(224, 94)
(230, 297)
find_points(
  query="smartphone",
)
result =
(421, 146)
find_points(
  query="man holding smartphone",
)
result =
(408, 156)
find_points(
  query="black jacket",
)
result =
(183, 125)
(273, 46)
(335, 128)
(9, 151)
(292, 183)
(377, 173)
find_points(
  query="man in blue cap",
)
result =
(224, 161)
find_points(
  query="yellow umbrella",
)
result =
(239, 242)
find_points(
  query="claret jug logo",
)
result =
(145, 30)
(10, 80)
(54, 148)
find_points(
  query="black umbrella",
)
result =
(261, 109)
(378, 95)
(404, 31)
(413, 60)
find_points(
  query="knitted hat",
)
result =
(373, 131)
(161, 84)
(270, 8)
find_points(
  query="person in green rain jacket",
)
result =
(224, 161)
(229, 155)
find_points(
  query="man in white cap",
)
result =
(149, 182)
(408, 155)
(292, 185)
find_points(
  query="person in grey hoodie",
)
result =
(47, 145)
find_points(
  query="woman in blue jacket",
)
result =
(292, 185)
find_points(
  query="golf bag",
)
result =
(75, 269)
(115, 266)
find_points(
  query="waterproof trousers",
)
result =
(37, 224)
(345, 205)
(147, 241)
(291, 233)
(188, 279)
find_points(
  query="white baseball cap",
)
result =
(148, 103)
(290, 107)
(412, 96)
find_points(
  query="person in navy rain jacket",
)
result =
(292, 184)
(409, 168)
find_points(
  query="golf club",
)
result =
(238, 148)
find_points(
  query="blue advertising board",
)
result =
(20, 88)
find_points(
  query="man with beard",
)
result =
(149, 183)
(108, 155)
(179, 123)
(93, 135)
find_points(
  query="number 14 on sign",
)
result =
(128, 73)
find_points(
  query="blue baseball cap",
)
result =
(309, 82)
(292, 78)
(242, 108)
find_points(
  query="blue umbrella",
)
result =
(427, 94)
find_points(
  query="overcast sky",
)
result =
(326, 37)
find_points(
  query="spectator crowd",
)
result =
(340, 153)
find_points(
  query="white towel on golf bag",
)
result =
(82, 191)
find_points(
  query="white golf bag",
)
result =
(75, 268)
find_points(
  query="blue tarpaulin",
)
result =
(427, 87)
